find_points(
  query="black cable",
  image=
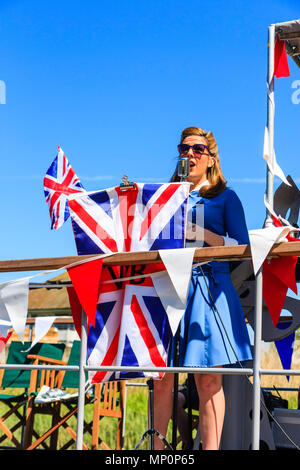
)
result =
(241, 365)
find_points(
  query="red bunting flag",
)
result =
(3, 340)
(281, 66)
(278, 277)
(85, 278)
(76, 309)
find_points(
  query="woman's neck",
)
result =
(198, 185)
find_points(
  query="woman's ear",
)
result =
(211, 162)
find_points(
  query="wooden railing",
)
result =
(217, 253)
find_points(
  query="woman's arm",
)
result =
(213, 239)
(234, 224)
(234, 219)
(201, 235)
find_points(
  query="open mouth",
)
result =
(192, 164)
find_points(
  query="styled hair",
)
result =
(214, 173)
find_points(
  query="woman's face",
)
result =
(198, 163)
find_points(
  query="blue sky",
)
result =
(114, 83)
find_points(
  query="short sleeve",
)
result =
(234, 218)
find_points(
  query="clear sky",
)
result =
(114, 83)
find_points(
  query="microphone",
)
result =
(183, 167)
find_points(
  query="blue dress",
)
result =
(205, 340)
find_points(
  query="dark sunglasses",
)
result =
(198, 149)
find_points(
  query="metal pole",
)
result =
(270, 120)
(81, 386)
(256, 362)
(151, 413)
(124, 418)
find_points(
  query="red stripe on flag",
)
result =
(57, 215)
(108, 359)
(68, 178)
(127, 202)
(156, 207)
(52, 201)
(91, 223)
(64, 164)
(59, 187)
(146, 333)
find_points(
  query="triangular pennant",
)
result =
(284, 269)
(272, 165)
(172, 286)
(4, 339)
(284, 347)
(278, 277)
(274, 293)
(172, 304)
(289, 237)
(261, 242)
(85, 278)
(178, 264)
(76, 309)
(281, 66)
(14, 300)
(5, 326)
(41, 328)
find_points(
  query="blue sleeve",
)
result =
(234, 218)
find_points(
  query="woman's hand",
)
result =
(196, 233)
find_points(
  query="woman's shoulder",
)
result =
(229, 194)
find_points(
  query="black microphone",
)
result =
(183, 167)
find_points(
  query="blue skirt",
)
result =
(212, 336)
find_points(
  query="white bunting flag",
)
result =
(5, 326)
(14, 303)
(172, 286)
(41, 328)
(273, 166)
(261, 242)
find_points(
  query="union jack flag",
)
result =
(131, 327)
(60, 181)
(148, 217)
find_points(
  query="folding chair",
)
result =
(107, 399)
(110, 401)
(20, 381)
(65, 380)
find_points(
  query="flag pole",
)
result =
(257, 362)
(270, 122)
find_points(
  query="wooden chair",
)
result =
(62, 380)
(19, 380)
(107, 399)
(52, 379)
(110, 401)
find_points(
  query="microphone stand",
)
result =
(151, 431)
(183, 170)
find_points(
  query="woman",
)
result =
(213, 332)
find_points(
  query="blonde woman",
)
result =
(213, 332)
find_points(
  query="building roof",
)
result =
(49, 300)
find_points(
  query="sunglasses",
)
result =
(198, 149)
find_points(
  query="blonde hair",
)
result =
(214, 173)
